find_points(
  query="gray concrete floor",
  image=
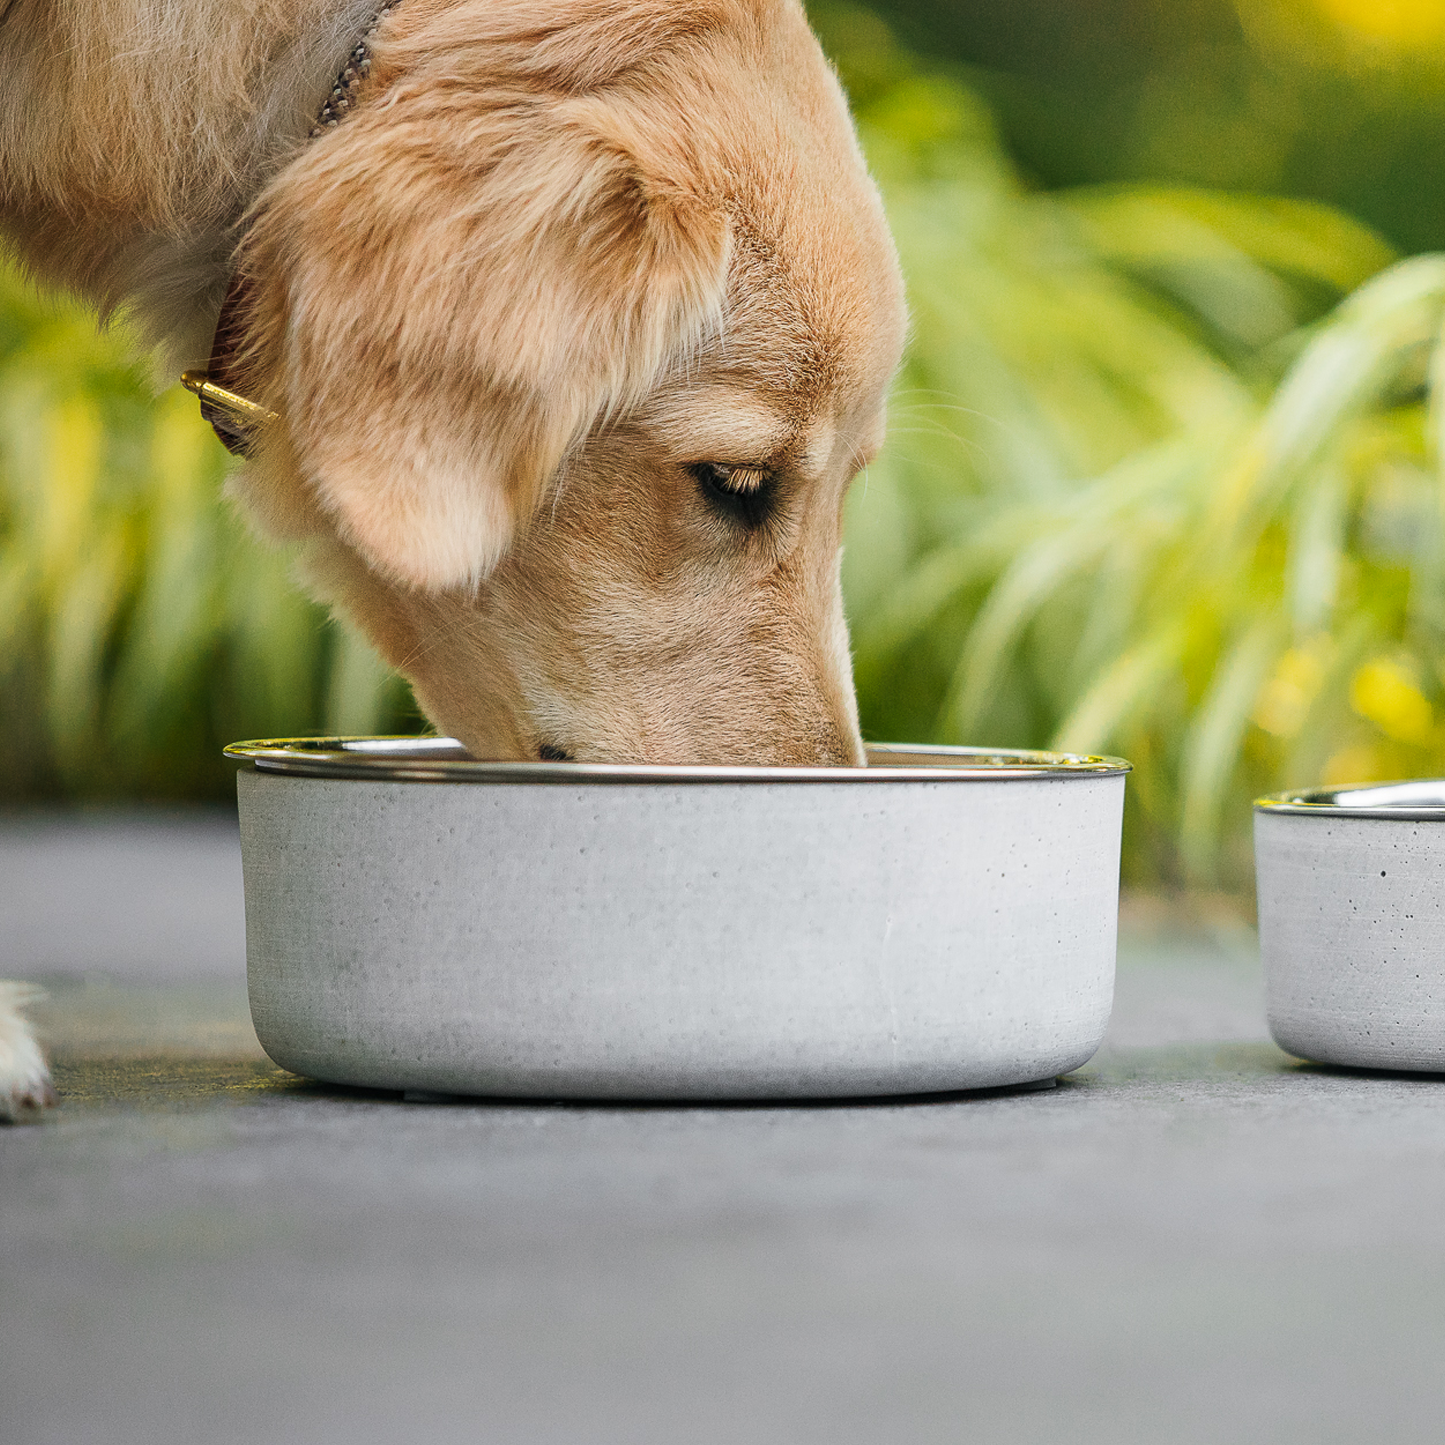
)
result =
(1191, 1239)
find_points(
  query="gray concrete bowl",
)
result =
(1352, 923)
(942, 919)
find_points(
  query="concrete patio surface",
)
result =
(1193, 1238)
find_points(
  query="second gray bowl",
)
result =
(1352, 923)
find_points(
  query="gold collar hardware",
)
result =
(238, 408)
(235, 417)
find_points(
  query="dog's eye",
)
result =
(741, 494)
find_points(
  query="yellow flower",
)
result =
(1286, 697)
(1387, 692)
(1398, 22)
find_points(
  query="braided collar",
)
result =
(232, 416)
(357, 68)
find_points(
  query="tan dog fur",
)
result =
(561, 251)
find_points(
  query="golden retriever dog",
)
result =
(573, 320)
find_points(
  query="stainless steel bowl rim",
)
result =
(443, 760)
(1409, 800)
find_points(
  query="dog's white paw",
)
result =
(25, 1086)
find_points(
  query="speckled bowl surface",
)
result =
(1352, 923)
(942, 919)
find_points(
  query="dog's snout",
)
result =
(832, 744)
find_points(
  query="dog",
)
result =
(561, 326)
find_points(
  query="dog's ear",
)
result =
(450, 292)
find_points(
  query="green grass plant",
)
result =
(141, 627)
(1163, 479)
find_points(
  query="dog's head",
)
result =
(580, 329)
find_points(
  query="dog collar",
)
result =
(232, 416)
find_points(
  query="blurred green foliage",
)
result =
(140, 626)
(1337, 100)
(1162, 479)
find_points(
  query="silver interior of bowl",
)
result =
(1418, 798)
(444, 760)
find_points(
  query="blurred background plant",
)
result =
(1163, 475)
(140, 626)
(1161, 478)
